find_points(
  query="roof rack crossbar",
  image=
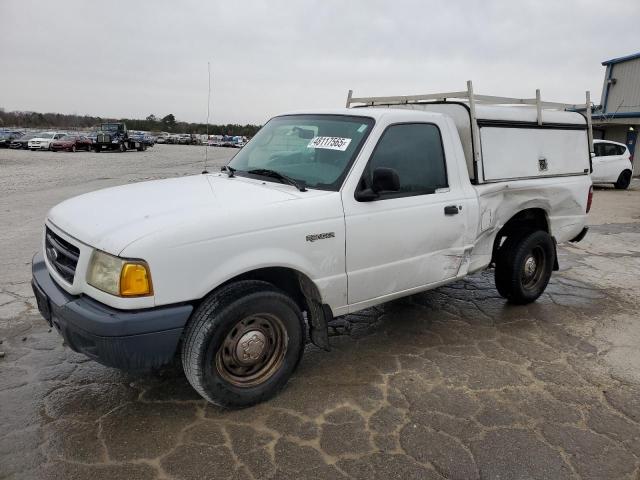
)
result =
(488, 99)
(474, 99)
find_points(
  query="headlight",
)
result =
(119, 276)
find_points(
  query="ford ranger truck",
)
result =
(321, 214)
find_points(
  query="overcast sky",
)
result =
(131, 58)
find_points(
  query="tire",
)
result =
(524, 265)
(238, 316)
(122, 147)
(73, 148)
(624, 180)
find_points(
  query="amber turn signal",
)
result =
(135, 280)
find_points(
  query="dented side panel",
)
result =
(563, 199)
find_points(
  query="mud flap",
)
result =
(318, 330)
(319, 314)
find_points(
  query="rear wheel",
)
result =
(122, 147)
(624, 180)
(524, 265)
(243, 343)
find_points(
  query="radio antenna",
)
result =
(206, 148)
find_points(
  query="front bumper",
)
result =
(126, 339)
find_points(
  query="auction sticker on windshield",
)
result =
(330, 143)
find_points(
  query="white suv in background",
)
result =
(612, 164)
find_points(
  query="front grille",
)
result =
(62, 255)
(103, 138)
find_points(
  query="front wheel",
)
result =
(243, 343)
(624, 180)
(73, 148)
(524, 265)
(122, 147)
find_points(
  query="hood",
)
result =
(112, 218)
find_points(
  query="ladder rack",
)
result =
(474, 99)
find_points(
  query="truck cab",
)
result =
(114, 136)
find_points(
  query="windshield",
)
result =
(109, 127)
(315, 149)
(69, 137)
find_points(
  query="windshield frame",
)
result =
(338, 183)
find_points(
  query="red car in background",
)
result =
(71, 143)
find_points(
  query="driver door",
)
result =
(408, 239)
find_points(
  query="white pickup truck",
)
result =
(321, 214)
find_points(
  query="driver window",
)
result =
(415, 152)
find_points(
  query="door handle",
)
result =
(451, 210)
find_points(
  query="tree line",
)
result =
(168, 123)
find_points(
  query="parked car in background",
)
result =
(71, 143)
(44, 140)
(160, 137)
(143, 137)
(612, 163)
(215, 140)
(185, 139)
(8, 136)
(21, 142)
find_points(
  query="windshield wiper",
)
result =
(266, 172)
(230, 170)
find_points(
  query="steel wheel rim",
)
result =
(533, 268)
(253, 351)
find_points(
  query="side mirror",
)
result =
(593, 154)
(384, 180)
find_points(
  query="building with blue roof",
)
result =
(617, 117)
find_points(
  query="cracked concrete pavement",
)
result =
(451, 383)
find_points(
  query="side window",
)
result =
(598, 150)
(415, 152)
(621, 150)
(610, 149)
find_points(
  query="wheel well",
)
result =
(303, 291)
(525, 220)
(286, 279)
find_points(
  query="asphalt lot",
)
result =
(451, 383)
